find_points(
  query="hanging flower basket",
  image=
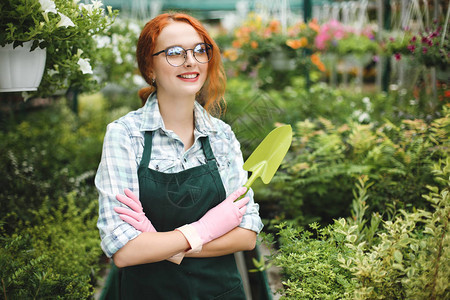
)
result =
(280, 61)
(22, 69)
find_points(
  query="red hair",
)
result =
(211, 95)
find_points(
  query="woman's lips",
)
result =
(190, 77)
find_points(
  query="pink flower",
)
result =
(411, 48)
(320, 41)
(339, 34)
(398, 56)
(424, 50)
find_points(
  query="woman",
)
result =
(174, 232)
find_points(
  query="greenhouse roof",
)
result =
(202, 5)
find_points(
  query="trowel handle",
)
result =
(242, 196)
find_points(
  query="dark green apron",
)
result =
(170, 201)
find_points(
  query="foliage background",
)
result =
(345, 209)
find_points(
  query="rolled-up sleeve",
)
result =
(117, 170)
(236, 177)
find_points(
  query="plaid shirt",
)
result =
(122, 152)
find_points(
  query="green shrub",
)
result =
(57, 258)
(252, 112)
(46, 154)
(318, 173)
(49, 243)
(311, 269)
(119, 67)
(408, 257)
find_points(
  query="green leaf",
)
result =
(398, 256)
(35, 45)
(351, 238)
(17, 44)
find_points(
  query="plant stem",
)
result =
(40, 284)
(4, 289)
(439, 254)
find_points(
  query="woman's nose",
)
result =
(190, 59)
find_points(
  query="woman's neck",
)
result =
(178, 116)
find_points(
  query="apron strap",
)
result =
(212, 165)
(146, 155)
(207, 148)
(147, 149)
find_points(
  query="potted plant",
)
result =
(64, 29)
(429, 46)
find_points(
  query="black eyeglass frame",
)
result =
(185, 54)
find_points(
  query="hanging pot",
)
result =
(21, 69)
(280, 61)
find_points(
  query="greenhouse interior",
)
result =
(357, 202)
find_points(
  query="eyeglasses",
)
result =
(176, 55)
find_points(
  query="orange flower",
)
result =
(316, 61)
(274, 26)
(254, 44)
(313, 25)
(243, 32)
(447, 94)
(236, 44)
(295, 44)
(231, 54)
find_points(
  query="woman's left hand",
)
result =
(134, 216)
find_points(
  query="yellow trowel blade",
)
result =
(267, 157)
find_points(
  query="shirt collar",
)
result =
(152, 119)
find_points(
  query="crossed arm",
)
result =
(151, 247)
(216, 233)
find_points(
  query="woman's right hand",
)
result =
(134, 216)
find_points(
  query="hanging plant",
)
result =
(66, 29)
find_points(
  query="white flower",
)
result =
(48, 6)
(103, 41)
(364, 117)
(52, 72)
(88, 7)
(65, 21)
(85, 66)
(134, 27)
(26, 96)
(97, 3)
(138, 80)
(366, 100)
(393, 87)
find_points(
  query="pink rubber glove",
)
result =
(218, 221)
(134, 216)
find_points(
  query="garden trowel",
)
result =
(267, 157)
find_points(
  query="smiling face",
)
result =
(187, 79)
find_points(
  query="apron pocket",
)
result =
(236, 293)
